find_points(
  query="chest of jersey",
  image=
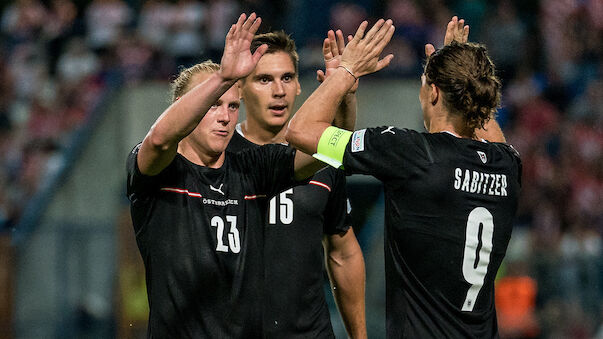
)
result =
(299, 206)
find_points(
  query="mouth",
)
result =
(221, 133)
(278, 109)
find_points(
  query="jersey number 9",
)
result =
(475, 265)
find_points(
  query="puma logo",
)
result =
(389, 129)
(219, 189)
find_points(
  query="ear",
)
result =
(434, 96)
(239, 85)
(298, 91)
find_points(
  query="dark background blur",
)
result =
(82, 81)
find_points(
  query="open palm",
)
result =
(361, 55)
(237, 60)
(332, 49)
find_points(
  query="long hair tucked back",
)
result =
(467, 77)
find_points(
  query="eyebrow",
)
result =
(263, 75)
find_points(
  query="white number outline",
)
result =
(473, 274)
(233, 236)
(285, 208)
(234, 241)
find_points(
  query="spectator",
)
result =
(77, 62)
(187, 39)
(105, 20)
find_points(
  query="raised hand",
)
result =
(361, 55)
(237, 60)
(332, 49)
(456, 30)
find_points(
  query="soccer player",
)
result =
(450, 195)
(301, 218)
(198, 212)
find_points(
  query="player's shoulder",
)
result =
(508, 148)
(389, 142)
(176, 164)
(391, 130)
(329, 174)
(239, 143)
(383, 136)
(506, 152)
(259, 152)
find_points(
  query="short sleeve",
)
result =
(337, 214)
(139, 186)
(384, 152)
(270, 166)
(516, 159)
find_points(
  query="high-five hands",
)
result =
(332, 49)
(455, 31)
(361, 55)
(237, 60)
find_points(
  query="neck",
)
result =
(261, 134)
(440, 124)
(446, 123)
(198, 155)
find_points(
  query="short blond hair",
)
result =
(180, 84)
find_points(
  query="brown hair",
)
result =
(466, 76)
(277, 41)
(180, 84)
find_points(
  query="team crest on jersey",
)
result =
(358, 140)
(482, 156)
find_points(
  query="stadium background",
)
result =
(81, 82)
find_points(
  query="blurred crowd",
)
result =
(58, 56)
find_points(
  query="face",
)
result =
(217, 126)
(269, 91)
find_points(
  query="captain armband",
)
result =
(332, 145)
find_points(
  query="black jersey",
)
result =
(200, 233)
(449, 208)
(296, 220)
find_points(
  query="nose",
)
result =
(278, 90)
(223, 115)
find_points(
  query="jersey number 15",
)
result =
(284, 206)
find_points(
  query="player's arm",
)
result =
(360, 57)
(332, 49)
(160, 145)
(306, 165)
(456, 30)
(345, 266)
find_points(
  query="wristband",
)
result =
(347, 69)
(332, 145)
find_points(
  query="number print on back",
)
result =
(475, 265)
